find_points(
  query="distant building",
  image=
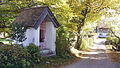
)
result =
(102, 30)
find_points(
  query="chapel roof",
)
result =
(33, 17)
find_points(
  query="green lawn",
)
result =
(54, 62)
(5, 41)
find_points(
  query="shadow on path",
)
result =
(96, 58)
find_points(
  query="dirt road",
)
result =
(97, 58)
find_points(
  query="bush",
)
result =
(62, 43)
(13, 56)
(111, 40)
(62, 50)
(115, 40)
(108, 40)
(34, 52)
(1, 43)
(107, 43)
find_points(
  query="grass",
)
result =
(4, 40)
(55, 62)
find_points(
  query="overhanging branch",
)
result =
(114, 34)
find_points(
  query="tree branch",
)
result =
(29, 5)
(20, 9)
(114, 34)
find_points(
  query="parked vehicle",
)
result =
(102, 35)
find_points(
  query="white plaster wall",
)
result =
(32, 36)
(2, 35)
(37, 37)
(50, 36)
(53, 39)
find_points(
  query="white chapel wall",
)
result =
(50, 36)
(32, 36)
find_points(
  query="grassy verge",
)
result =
(4, 40)
(55, 62)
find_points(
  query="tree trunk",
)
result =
(79, 39)
(79, 27)
(115, 36)
(117, 45)
(4, 34)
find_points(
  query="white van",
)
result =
(103, 32)
(102, 35)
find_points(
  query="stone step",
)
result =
(47, 52)
(49, 55)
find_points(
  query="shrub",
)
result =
(109, 38)
(115, 40)
(34, 52)
(107, 43)
(62, 50)
(13, 56)
(1, 43)
(112, 40)
(62, 43)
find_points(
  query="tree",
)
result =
(87, 11)
(114, 26)
(73, 14)
(9, 9)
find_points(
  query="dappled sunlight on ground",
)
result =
(114, 55)
(75, 51)
(98, 48)
(95, 57)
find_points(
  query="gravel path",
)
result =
(97, 58)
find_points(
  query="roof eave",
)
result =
(40, 19)
(46, 12)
